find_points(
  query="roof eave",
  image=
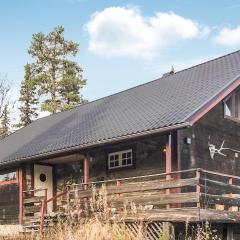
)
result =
(96, 144)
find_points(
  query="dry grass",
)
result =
(98, 221)
(95, 230)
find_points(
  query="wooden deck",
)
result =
(184, 215)
(193, 195)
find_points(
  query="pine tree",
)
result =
(58, 77)
(28, 99)
(70, 85)
(5, 123)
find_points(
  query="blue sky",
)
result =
(122, 43)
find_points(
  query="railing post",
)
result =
(230, 182)
(168, 177)
(198, 188)
(86, 173)
(42, 216)
(45, 199)
(118, 185)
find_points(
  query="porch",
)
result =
(193, 195)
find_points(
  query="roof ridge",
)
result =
(211, 60)
(137, 86)
(142, 84)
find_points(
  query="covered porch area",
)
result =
(46, 179)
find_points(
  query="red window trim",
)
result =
(8, 182)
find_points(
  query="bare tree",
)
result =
(4, 104)
(4, 94)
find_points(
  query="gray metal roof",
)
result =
(167, 101)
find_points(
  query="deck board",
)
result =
(187, 215)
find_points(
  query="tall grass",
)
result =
(98, 219)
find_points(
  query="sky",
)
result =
(122, 43)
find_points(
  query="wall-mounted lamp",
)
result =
(188, 140)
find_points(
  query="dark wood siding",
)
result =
(215, 128)
(148, 158)
(9, 204)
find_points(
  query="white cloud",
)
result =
(120, 31)
(229, 37)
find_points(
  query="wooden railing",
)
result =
(188, 188)
(219, 191)
(197, 188)
(44, 206)
(145, 190)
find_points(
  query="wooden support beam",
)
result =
(169, 155)
(168, 161)
(86, 173)
(21, 197)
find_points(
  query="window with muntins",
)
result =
(232, 106)
(120, 159)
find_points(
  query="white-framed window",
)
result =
(232, 105)
(120, 159)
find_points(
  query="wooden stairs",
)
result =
(33, 224)
(35, 217)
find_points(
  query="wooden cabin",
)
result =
(174, 142)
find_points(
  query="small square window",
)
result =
(120, 159)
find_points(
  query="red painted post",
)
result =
(168, 162)
(198, 188)
(86, 173)
(21, 197)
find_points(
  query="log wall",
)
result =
(9, 204)
(149, 157)
(213, 128)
